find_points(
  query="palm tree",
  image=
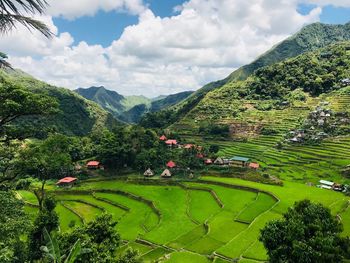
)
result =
(52, 250)
(12, 12)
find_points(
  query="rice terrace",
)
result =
(187, 131)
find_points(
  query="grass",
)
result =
(186, 257)
(192, 225)
(66, 217)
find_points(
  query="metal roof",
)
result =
(239, 158)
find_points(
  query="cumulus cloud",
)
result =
(204, 41)
(72, 9)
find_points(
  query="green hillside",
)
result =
(112, 101)
(291, 88)
(310, 38)
(77, 116)
(135, 114)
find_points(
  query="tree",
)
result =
(13, 223)
(12, 12)
(99, 237)
(17, 101)
(44, 160)
(307, 233)
(52, 249)
(47, 219)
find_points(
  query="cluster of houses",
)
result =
(345, 82)
(318, 121)
(235, 161)
(70, 181)
(332, 186)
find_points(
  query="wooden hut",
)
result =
(239, 161)
(93, 165)
(171, 164)
(219, 161)
(66, 182)
(166, 173)
(148, 173)
(254, 166)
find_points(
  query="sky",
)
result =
(154, 47)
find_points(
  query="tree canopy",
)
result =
(308, 232)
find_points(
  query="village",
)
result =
(171, 168)
(319, 125)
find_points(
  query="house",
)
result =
(66, 182)
(166, 173)
(163, 138)
(345, 82)
(208, 161)
(200, 156)
(219, 161)
(171, 142)
(326, 184)
(93, 165)
(148, 173)
(239, 161)
(189, 146)
(171, 164)
(254, 166)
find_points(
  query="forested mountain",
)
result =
(309, 38)
(135, 113)
(76, 116)
(112, 101)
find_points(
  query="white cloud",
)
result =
(72, 9)
(204, 41)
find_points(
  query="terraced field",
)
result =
(210, 220)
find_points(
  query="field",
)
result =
(214, 219)
(208, 220)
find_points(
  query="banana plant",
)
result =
(52, 250)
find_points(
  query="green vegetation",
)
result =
(76, 115)
(307, 233)
(310, 38)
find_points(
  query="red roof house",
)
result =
(208, 161)
(200, 156)
(66, 181)
(171, 142)
(171, 164)
(162, 138)
(93, 165)
(254, 165)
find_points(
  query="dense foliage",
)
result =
(75, 115)
(307, 233)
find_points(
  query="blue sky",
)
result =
(88, 28)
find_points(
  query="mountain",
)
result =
(78, 116)
(276, 97)
(112, 101)
(309, 38)
(162, 102)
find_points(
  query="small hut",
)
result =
(239, 161)
(66, 182)
(93, 165)
(163, 138)
(148, 173)
(254, 166)
(166, 173)
(208, 161)
(219, 161)
(171, 164)
(171, 143)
